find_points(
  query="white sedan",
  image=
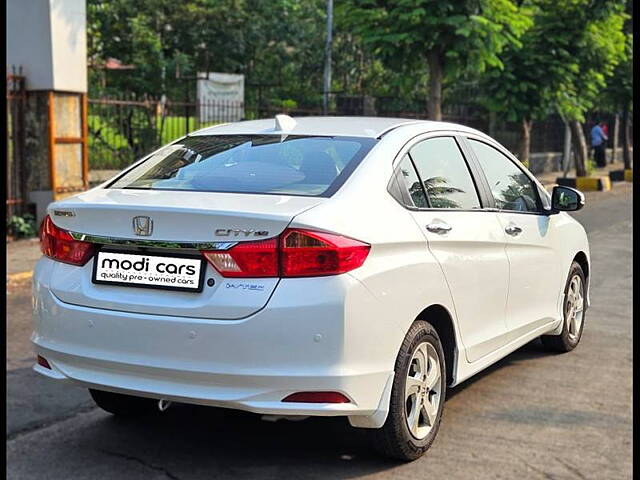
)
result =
(327, 266)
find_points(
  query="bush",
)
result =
(22, 226)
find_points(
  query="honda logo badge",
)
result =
(142, 226)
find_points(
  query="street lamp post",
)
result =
(327, 59)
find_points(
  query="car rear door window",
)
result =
(444, 174)
(511, 188)
(407, 174)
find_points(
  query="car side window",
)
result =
(445, 174)
(511, 188)
(407, 174)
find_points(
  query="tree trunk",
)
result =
(579, 148)
(626, 147)
(492, 123)
(434, 103)
(525, 141)
(616, 135)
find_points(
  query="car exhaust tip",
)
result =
(163, 404)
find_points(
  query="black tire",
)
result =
(565, 342)
(123, 405)
(394, 440)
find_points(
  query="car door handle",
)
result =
(439, 227)
(513, 230)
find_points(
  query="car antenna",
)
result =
(284, 123)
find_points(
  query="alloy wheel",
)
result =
(574, 310)
(423, 390)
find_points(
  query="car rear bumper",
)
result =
(249, 364)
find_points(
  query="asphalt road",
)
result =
(532, 415)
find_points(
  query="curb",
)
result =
(621, 175)
(17, 277)
(586, 184)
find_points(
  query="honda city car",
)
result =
(318, 266)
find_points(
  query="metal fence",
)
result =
(124, 129)
(16, 174)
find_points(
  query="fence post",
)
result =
(616, 135)
(566, 154)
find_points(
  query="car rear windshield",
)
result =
(264, 164)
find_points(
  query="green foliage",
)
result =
(274, 42)
(289, 103)
(618, 93)
(467, 36)
(590, 33)
(530, 57)
(22, 226)
(563, 60)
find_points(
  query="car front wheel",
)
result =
(417, 396)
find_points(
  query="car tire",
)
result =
(123, 405)
(396, 439)
(574, 309)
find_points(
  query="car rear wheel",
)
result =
(574, 310)
(123, 405)
(417, 396)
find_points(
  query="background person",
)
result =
(598, 142)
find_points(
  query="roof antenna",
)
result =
(284, 122)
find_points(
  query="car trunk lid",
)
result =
(182, 222)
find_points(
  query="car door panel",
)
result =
(530, 248)
(533, 266)
(472, 257)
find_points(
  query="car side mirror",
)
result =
(566, 199)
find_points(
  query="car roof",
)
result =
(372, 127)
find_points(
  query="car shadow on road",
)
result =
(533, 349)
(202, 440)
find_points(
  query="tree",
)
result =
(589, 33)
(519, 91)
(562, 64)
(618, 94)
(452, 37)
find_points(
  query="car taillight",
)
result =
(308, 254)
(247, 259)
(59, 245)
(296, 253)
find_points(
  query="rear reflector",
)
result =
(43, 362)
(316, 397)
(58, 244)
(296, 253)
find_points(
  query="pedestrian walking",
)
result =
(598, 142)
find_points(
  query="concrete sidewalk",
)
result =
(548, 179)
(23, 254)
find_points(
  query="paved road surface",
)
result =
(532, 415)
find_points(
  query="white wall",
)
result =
(69, 34)
(48, 38)
(28, 41)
